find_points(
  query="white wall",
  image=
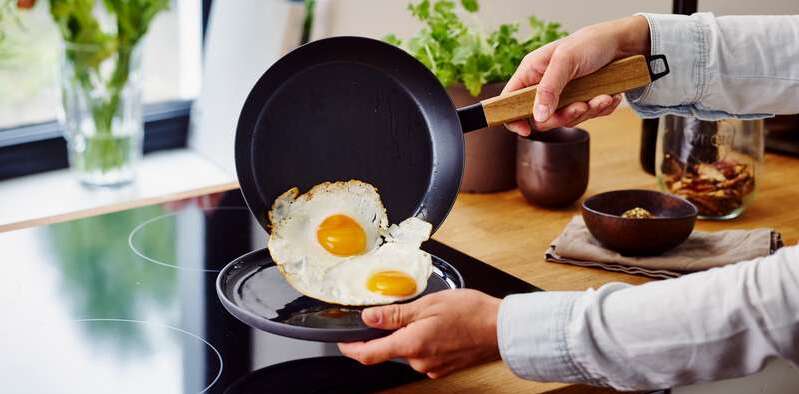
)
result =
(757, 7)
(244, 38)
(375, 18)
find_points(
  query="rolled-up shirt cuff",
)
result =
(532, 336)
(685, 41)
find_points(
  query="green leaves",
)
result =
(457, 53)
(470, 5)
(421, 11)
(543, 33)
(88, 46)
(79, 26)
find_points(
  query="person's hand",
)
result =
(579, 54)
(438, 334)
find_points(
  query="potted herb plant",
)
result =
(473, 65)
(101, 110)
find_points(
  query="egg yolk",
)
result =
(391, 283)
(341, 235)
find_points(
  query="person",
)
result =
(710, 325)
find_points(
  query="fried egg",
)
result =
(334, 244)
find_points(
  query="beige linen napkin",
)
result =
(700, 251)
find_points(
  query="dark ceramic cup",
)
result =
(552, 166)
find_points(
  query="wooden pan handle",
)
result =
(617, 77)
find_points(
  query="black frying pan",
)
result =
(356, 108)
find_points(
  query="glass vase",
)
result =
(712, 164)
(101, 113)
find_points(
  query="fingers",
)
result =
(445, 366)
(570, 115)
(424, 365)
(609, 110)
(372, 352)
(520, 127)
(438, 366)
(560, 70)
(528, 73)
(396, 345)
(392, 317)
(440, 373)
(596, 106)
(531, 68)
(523, 77)
(564, 116)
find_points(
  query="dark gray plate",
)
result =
(253, 290)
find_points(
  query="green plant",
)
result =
(307, 23)
(88, 46)
(458, 53)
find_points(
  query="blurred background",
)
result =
(202, 57)
(172, 54)
(172, 58)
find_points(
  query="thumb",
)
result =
(390, 317)
(560, 70)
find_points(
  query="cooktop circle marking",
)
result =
(162, 217)
(195, 336)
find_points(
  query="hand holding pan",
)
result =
(356, 108)
(617, 77)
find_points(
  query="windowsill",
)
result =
(57, 196)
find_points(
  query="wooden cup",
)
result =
(552, 166)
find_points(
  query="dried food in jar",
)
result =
(717, 189)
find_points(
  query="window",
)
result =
(29, 60)
(28, 77)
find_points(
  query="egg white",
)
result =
(346, 282)
(317, 273)
(295, 219)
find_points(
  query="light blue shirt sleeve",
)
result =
(711, 325)
(723, 67)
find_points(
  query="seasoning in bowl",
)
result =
(637, 213)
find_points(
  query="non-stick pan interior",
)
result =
(351, 108)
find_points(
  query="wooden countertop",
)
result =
(504, 231)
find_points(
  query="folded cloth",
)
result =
(700, 251)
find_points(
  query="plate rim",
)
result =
(300, 332)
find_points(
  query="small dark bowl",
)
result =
(672, 222)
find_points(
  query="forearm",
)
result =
(706, 326)
(742, 66)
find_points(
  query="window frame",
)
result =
(31, 149)
(34, 148)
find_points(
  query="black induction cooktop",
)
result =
(125, 303)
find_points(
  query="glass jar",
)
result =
(712, 164)
(101, 112)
